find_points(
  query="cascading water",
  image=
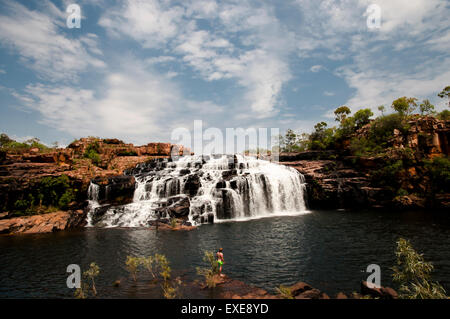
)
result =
(204, 189)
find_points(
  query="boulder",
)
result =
(192, 184)
(310, 294)
(381, 292)
(299, 288)
(178, 206)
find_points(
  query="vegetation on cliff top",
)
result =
(361, 136)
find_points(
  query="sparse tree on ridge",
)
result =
(426, 107)
(341, 113)
(404, 105)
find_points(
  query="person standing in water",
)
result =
(220, 261)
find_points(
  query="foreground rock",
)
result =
(382, 292)
(45, 223)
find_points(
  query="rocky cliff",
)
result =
(403, 176)
(28, 177)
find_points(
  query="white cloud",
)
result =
(316, 68)
(257, 55)
(135, 104)
(328, 93)
(41, 46)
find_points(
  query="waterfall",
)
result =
(206, 188)
(93, 192)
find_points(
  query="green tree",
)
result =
(444, 115)
(341, 113)
(290, 140)
(445, 93)
(381, 108)
(426, 107)
(362, 117)
(91, 273)
(209, 272)
(5, 140)
(404, 105)
(413, 274)
(132, 265)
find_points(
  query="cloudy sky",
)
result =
(137, 69)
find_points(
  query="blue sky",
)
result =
(136, 70)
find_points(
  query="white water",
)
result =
(256, 189)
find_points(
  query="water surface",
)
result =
(328, 249)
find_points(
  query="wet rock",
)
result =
(192, 184)
(309, 294)
(116, 190)
(178, 206)
(341, 295)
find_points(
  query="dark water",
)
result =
(328, 249)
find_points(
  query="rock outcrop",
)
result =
(46, 223)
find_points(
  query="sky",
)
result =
(137, 70)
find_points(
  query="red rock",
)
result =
(341, 295)
(299, 288)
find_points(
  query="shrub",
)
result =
(132, 265)
(413, 274)
(285, 292)
(439, 170)
(92, 152)
(91, 273)
(444, 115)
(211, 271)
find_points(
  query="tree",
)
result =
(426, 107)
(91, 273)
(4, 139)
(290, 140)
(404, 105)
(341, 113)
(132, 264)
(413, 274)
(381, 108)
(445, 93)
(362, 117)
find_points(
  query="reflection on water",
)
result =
(328, 249)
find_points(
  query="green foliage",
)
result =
(92, 152)
(322, 138)
(382, 109)
(285, 292)
(389, 175)
(361, 146)
(404, 105)
(209, 272)
(413, 274)
(132, 265)
(382, 129)
(445, 93)
(439, 170)
(426, 107)
(173, 222)
(11, 145)
(49, 194)
(362, 117)
(91, 273)
(444, 115)
(341, 113)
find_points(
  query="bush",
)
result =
(439, 170)
(211, 271)
(92, 152)
(444, 115)
(284, 292)
(413, 274)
